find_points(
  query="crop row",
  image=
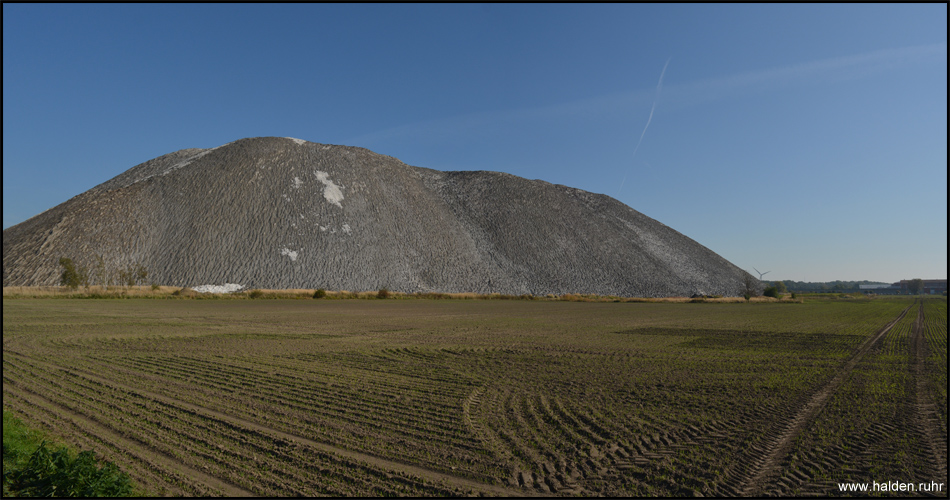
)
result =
(142, 467)
(357, 419)
(243, 456)
(359, 415)
(363, 399)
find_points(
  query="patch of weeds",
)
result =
(34, 468)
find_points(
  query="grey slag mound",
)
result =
(285, 213)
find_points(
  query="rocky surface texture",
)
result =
(285, 213)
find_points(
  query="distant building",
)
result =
(931, 287)
(874, 287)
(892, 289)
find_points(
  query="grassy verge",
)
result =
(35, 467)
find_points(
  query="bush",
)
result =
(383, 293)
(320, 293)
(32, 467)
(771, 291)
(155, 287)
(255, 294)
(56, 473)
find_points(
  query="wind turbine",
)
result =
(761, 273)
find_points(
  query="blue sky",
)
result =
(807, 140)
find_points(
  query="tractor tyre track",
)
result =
(422, 472)
(764, 463)
(925, 411)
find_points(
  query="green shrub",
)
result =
(32, 467)
(383, 293)
(320, 293)
(255, 294)
(57, 473)
(771, 291)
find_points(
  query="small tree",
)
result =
(319, 293)
(383, 293)
(771, 291)
(750, 286)
(102, 274)
(141, 274)
(780, 286)
(126, 278)
(72, 276)
(915, 286)
(134, 274)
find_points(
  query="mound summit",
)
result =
(286, 213)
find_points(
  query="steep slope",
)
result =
(286, 213)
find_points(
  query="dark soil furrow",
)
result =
(139, 468)
(358, 413)
(126, 417)
(164, 461)
(355, 455)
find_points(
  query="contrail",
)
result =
(659, 86)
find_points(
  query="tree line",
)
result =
(74, 275)
(828, 286)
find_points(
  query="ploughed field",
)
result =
(449, 397)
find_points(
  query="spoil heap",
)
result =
(285, 213)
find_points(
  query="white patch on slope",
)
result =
(226, 288)
(297, 182)
(346, 228)
(298, 141)
(290, 253)
(331, 191)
